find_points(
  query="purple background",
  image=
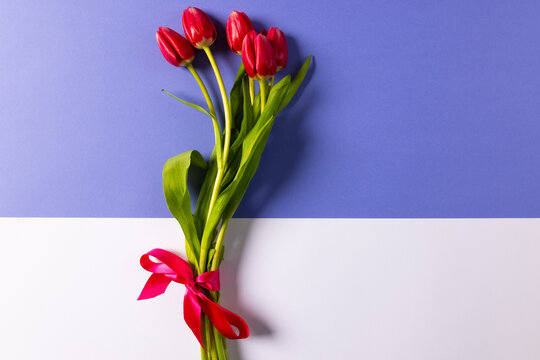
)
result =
(412, 108)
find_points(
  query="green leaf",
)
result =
(252, 148)
(175, 174)
(203, 202)
(249, 119)
(247, 122)
(232, 165)
(257, 107)
(211, 254)
(235, 98)
(251, 155)
(194, 106)
(295, 84)
(221, 256)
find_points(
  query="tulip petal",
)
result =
(237, 27)
(248, 54)
(167, 50)
(174, 47)
(198, 27)
(279, 43)
(265, 57)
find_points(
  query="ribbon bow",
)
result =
(174, 268)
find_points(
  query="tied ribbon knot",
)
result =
(173, 268)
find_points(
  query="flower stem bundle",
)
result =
(249, 116)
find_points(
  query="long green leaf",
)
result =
(254, 145)
(248, 120)
(232, 166)
(175, 175)
(247, 170)
(247, 124)
(252, 148)
(194, 106)
(235, 98)
(203, 202)
(295, 84)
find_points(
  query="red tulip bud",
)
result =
(258, 56)
(199, 29)
(238, 25)
(279, 43)
(174, 47)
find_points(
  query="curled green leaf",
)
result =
(175, 189)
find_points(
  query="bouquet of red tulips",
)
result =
(248, 119)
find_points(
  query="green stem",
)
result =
(219, 244)
(203, 88)
(209, 343)
(251, 90)
(203, 354)
(221, 170)
(272, 81)
(218, 340)
(225, 100)
(215, 190)
(262, 85)
(217, 128)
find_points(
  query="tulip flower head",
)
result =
(174, 47)
(279, 43)
(258, 56)
(238, 25)
(198, 28)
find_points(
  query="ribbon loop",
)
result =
(173, 268)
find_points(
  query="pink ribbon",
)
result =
(174, 268)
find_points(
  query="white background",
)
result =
(308, 288)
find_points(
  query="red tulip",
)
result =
(199, 29)
(174, 47)
(238, 25)
(279, 43)
(258, 56)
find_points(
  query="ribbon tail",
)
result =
(192, 315)
(155, 286)
(224, 319)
